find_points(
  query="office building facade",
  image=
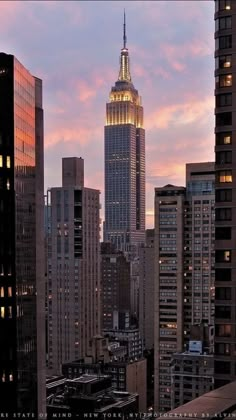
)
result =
(73, 267)
(115, 288)
(124, 162)
(225, 155)
(22, 296)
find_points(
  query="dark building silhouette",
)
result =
(22, 297)
(115, 284)
(225, 224)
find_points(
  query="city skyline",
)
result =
(172, 66)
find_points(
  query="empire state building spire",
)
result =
(124, 73)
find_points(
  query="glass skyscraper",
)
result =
(22, 297)
(124, 161)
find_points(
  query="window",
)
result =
(1, 161)
(2, 291)
(8, 184)
(223, 213)
(223, 62)
(223, 293)
(223, 23)
(8, 161)
(9, 290)
(223, 233)
(223, 274)
(222, 5)
(223, 330)
(223, 312)
(225, 99)
(223, 195)
(224, 118)
(223, 138)
(223, 256)
(222, 367)
(224, 80)
(224, 176)
(224, 42)
(223, 157)
(222, 348)
(2, 311)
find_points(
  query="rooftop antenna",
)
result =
(124, 33)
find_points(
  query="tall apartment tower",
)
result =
(225, 165)
(22, 296)
(199, 245)
(73, 266)
(115, 287)
(184, 273)
(168, 288)
(146, 290)
(124, 161)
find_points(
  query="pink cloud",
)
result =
(180, 113)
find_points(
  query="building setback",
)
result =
(73, 266)
(225, 176)
(22, 296)
(124, 162)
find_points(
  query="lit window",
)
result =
(2, 311)
(1, 161)
(225, 176)
(11, 377)
(227, 139)
(8, 184)
(10, 311)
(1, 291)
(3, 377)
(8, 161)
(9, 291)
(227, 255)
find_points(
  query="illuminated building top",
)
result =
(127, 108)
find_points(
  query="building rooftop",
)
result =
(218, 403)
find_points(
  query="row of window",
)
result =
(221, 5)
(224, 80)
(224, 42)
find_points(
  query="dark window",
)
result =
(223, 330)
(223, 312)
(224, 42)
(223, 23)
(223, 274)
(223, 157)
(223, 195)
(223, 233)
(224, 118)
(222, 348)
(222, 367)
(223, 138)
(224, 213)
(223, 293)
(224, 99)
(223, 256)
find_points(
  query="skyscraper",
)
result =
(225, 158)
(184, 275)
(124, 161)
(73, 266)
(22, 297)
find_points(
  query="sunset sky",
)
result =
(74, 46)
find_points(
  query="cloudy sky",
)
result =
(74, 46)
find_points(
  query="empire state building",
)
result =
(124, 161)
